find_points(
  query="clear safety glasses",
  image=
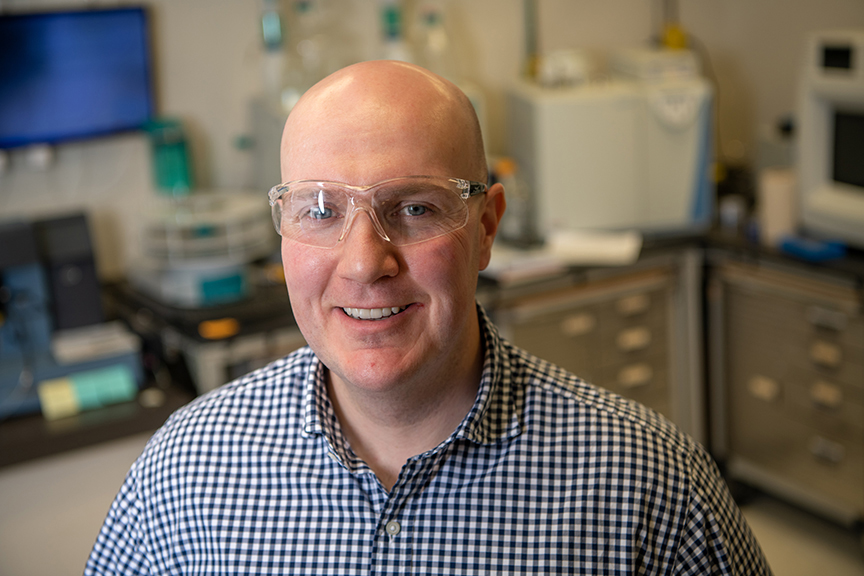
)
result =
(403, 211)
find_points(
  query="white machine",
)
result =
(197, 249)
(630, 152)
(831, 136)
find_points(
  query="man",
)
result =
(408, 437)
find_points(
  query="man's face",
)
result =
(431, 285)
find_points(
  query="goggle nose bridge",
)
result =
(366, 207)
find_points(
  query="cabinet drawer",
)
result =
(762, 432)
(797, 316)
(759, 319)
(771, 352)
(632, 324)
(827, 406)
(634, 344)
(836, 325)
(786, 345)
(646, 307)
(568, 338)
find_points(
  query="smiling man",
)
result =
(395, 325)
(408, 437)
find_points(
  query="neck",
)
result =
(385, 429)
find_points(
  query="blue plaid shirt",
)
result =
(545, 475)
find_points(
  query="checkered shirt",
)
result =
(545, 475)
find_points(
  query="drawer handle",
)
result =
(764, 388)
(827, 451)
(634, 339)
(826, 354)
(635, 376)
(826, 395)
(825, 318)
(632, 305)
(578, 325)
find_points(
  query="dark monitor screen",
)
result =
(848, 150)
(73, 74)
(837, 57)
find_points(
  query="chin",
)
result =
(376, 370)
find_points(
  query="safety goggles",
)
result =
(403, 211)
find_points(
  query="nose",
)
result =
(365, 256)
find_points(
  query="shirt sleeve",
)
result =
(716, 539)
(119, 547)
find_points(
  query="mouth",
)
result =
(373, 313)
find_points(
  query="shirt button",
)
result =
(393, 528)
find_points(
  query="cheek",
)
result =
(306, 271)
(454, 277)
(306, 278)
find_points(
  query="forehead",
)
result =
(374, 136)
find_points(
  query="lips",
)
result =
(373, 313)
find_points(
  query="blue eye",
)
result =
(318, 213)
(415, 210)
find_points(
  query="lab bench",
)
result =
(219, 343)
(30, 437)
(186, 352)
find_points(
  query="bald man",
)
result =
(408, 437)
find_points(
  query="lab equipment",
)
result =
(31, 345)
(172, 160)
(630, 152)
(66, 252)
(394, 45)
(196, 249)
(831, 136)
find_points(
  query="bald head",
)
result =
(382, 119)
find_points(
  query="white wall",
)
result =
(757, 47)
(208, 59)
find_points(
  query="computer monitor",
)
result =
(68, 75)
(831, 136)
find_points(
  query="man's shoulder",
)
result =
(246, 406)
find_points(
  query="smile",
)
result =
(373, 313)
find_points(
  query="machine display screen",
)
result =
(848, 167)
(837, 57)
(73, 74)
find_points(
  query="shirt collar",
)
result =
(493, 417)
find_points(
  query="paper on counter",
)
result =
(594, 247)
(514, 265)
(564, 249)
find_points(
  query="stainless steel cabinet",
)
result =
(634, 330)
(788, 374)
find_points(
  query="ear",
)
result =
(490, 218)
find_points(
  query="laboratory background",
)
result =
(685, 226)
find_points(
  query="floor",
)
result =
(51, 510)
(797, 543)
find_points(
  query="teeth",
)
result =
(372, 313)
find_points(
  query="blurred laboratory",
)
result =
(685, 224)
